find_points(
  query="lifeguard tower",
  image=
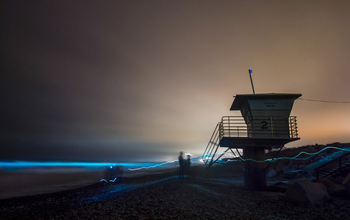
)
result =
(265, 124)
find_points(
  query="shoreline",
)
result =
(25, 183)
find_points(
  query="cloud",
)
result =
(163, 73)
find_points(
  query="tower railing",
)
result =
(233, 126)
(269, 127)
(236, 126)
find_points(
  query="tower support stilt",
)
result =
(254, 172)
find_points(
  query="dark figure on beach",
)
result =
(188, 165)
(113, 174)
(181, 166)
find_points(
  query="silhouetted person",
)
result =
(188, 165)
(113, 174)
(181, 166)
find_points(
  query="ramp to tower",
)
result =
(209, 156)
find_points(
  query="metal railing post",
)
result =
(271, 127)
(229, 127)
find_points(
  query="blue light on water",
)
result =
(67, 164)
(290, 158)
(153, 166)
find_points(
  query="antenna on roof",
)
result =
(251, 80)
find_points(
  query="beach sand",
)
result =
(214, 195)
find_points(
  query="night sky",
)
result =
(139, 80)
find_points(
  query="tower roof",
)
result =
(240, 99)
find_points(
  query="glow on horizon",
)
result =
(131, 166)
(66, 164)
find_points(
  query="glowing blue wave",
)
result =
(291, 158)
(111, 181)
(63, 164)
(157, 165)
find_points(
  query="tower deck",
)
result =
(267, 143)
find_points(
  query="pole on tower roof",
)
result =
(251, 80)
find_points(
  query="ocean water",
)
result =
(22, 178)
